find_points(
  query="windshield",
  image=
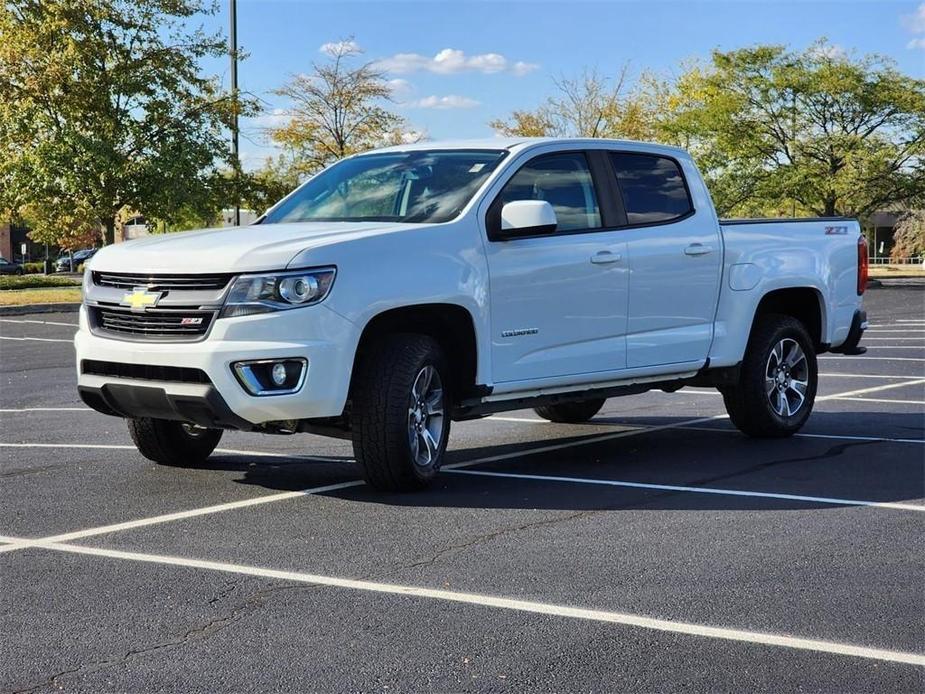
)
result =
(418, 186)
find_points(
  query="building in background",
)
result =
(14, 238)
(878, 228)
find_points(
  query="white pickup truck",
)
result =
(403, 288)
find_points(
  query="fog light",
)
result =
(279, 373)
(271, 376)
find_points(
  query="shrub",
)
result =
(33, 281)
(33, 268)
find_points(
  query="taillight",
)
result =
(863, 265)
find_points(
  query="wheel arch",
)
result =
(806, 304)
(451, 325)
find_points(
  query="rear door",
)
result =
(675, 260)
(558, 301)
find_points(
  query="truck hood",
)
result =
(237, 249)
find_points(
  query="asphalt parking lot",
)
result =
(653, 549)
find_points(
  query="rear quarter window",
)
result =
(653, 188)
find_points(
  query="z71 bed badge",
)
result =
(836, 231)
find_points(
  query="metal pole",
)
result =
(233, 48)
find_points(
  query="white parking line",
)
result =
(836, 437)
(845, 375)
(695, 490)
(39, 322)
(477, 599)
(9, 410)
(123, 447)
(35, 339)
(842, 357)
(885, 400)
(896, 346)
(873, 389)
(22, 543)
(623, 433)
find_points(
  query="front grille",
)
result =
(162, 282)
(175, 324)
(144, 372)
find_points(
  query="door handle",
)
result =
(697, 249)
(605, 257)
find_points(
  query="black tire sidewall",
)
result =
(435, 359)
(380, 411)
(770, 332)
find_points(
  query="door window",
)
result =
(564, 181)
(653, 188)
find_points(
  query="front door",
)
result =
(558, 301)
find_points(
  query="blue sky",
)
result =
(460, 64)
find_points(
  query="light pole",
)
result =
(233, 49)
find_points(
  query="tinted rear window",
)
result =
(653, 188)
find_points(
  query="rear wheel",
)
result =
(173, 443)
(571, 412)
(777, 384)
(399, 413)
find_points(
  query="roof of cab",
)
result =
(518, 143)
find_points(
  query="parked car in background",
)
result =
(400, 289)
(63, 263)
(8, 267)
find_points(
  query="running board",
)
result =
(504, 402)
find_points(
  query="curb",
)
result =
(27, 309)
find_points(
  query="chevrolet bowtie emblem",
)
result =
(140, 298)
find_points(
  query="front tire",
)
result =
(777, 384)
(571, 412)
(400, 412)
(172, 443)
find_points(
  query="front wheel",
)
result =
(172, 443)
(777, 384)
(400, 416)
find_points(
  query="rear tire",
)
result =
(571, 412)
(777, 384)
(173, 443)
(400, 412)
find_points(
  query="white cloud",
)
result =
(273, 119)
(915, 23)
(334, 48)
(399, 87)
(452, 60)
(444, 102)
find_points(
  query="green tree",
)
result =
(336, 110)
(103, 107)
(818, 130)
(269, 184)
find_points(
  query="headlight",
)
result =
(277, 291)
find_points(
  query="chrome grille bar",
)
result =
(162, 282)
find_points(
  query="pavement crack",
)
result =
(195, 633)
(488, 537)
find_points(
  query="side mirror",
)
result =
(527, 218)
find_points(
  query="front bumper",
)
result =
(324, 338)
